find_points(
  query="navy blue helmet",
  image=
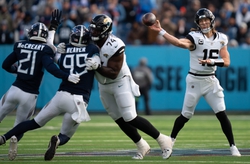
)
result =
(39, 32)
(79, 36)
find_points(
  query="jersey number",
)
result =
(69, 63)
(30, 58)
(212, 54)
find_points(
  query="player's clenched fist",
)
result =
(93, 63)
(74, 78)
(61, 48)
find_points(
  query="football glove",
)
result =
(93, 63)
(55, 19)
(61, 48)
(74, 78)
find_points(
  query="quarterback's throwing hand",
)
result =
(61, 48)
(74, 78)
(93, 63)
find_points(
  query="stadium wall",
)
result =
(170, 66)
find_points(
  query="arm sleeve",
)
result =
(51, 36)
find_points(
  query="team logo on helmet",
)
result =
(100, 27)
(107, 20)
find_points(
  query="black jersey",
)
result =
(32, 57)
(73, 61)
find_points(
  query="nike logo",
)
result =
(120, 86)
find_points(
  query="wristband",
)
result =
(212, 61)
(217, 62)
(162, 32)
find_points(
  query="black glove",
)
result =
(55, 19)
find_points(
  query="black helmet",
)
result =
(204, 13)
(100, 27)
(79, 36)
(39, 32)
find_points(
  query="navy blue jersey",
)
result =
(32, 57)
(73, 61)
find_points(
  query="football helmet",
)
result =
(204, 13)
(100, 27)
(38, 32)
(79, 36)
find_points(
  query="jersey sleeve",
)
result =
(8, 63)
(119, 47)
(93, 50)
(51, 67)
(190, 37)
(119, 51)
(10, 60)
(224, 39)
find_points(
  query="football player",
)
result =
(27, 61)
(118, 89)
(70, 99)
(208, 50)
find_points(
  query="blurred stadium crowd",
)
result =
(176, 16)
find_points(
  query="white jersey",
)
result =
(117, 95)
(110, 47)
(205, 48)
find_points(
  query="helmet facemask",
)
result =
(100, 27)
(79, 36)
(38, 32)
(96, 34)
(205, 30)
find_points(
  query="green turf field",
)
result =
(100, 141)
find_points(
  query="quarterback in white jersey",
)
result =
(205, 48)
(118, 89)
(208, 49)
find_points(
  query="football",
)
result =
(148, 19)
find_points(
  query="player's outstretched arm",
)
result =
(54, 23)
(182, 43)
